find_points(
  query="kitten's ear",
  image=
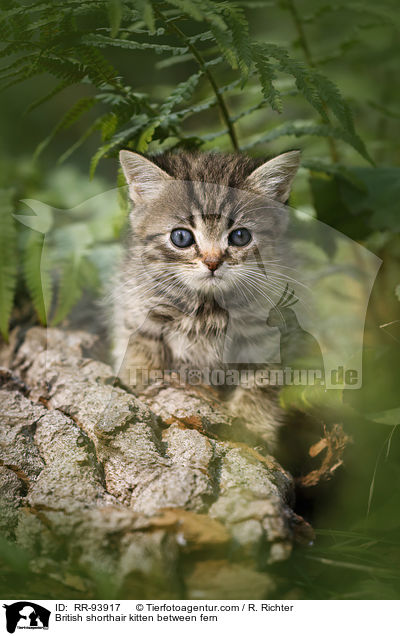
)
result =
(144, 178)
(274, 178)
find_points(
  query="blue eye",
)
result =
(182, 238)
(240, 237)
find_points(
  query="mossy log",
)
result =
(105, 495)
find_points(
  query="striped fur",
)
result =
(169, 309)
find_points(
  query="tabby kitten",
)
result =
(201, 229)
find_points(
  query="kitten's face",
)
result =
(208, 238)
(202, 238)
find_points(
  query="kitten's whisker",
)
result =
(277, 287)
(278, 275)
(274, 262)
(262, 292)
(275, 274)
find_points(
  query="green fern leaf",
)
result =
(117, 142)
(103, 41)
(108, 126)
(225, 45)
(98, 69)
(114, 16)
(298, 71)
(241, 39)
(190, 7)
(182, 93)
(64, 69)
(204, 36)
(36, 270)
(146, 137)
(299, 129)
(146, 12)
(173, 60)
(341, 110)
(267, 75)
(69, 291)
(8, 259)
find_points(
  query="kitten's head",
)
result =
(205, 222)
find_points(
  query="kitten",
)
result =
(201, 228)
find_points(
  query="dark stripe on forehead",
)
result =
(226, 203)
(194, 200)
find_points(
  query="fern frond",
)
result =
(267, 76)
(98, 69)
(108, 126)
(103, 41)
(173, 60)
(69, 291)
(145, 9)
(8, 259)
(192, 8)
(146, 137)
(182, 93)
(341, 110)
(114, 16)
(239, 27)
(299, 129)
(36, 270)
(204, 36)
(117, 142)
(225, 45)
(63, 69)
(298, 71)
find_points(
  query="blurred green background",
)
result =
(259, 76)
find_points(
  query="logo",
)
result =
(26, 615)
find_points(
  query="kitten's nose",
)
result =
(212, 263)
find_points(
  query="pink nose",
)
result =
(212, 264)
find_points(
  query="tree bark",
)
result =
(104, 495)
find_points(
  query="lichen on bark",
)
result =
(107, 495)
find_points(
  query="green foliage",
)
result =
(253, 75)
(74, 43)
(55, 254)
(97, 46)
(37, 275)
(8, 259)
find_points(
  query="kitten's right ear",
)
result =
(274, 177)
(144, 178)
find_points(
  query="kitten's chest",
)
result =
(197, 339)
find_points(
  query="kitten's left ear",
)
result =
(144, 178)
(274, 178)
